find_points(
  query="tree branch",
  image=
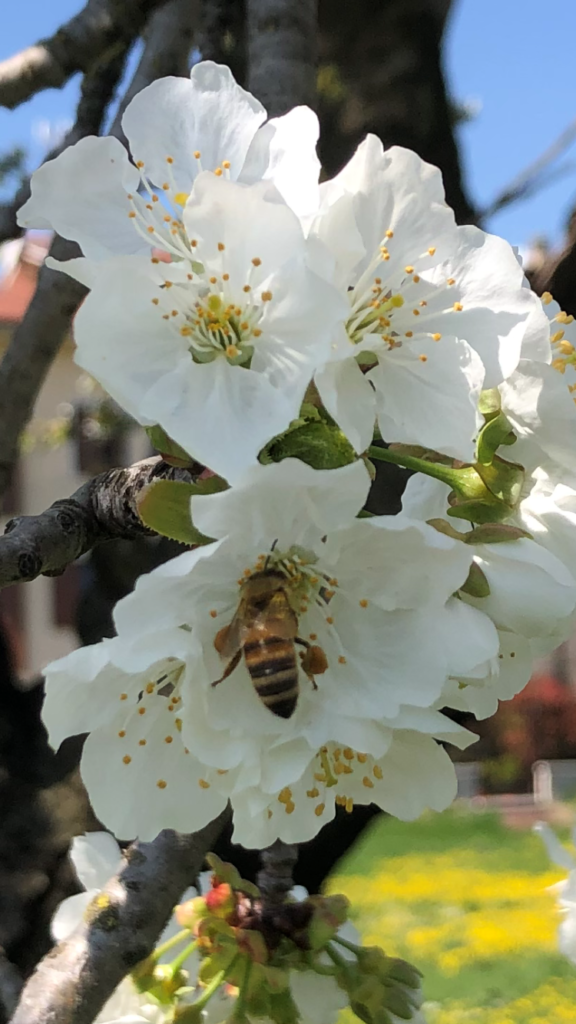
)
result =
(10, 986)
(74, 47)
(282, 52)
(102, 509)
(71, 985)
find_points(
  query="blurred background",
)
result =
(485, 91)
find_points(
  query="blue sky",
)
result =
(509, 58)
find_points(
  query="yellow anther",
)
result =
(409, 270)
(213, 280)
(285, 795)
(185, 331)
(319, 810)
(126, 759)
(269, 813)
(416, 279)
(313, 636)
(232, 351)
(431, 250)
(140, 163)
(362, 758)
(123, 696)
(423, 358)
(181, 198)
(218, 172)
(226, 165)
(367, 782)
(313, 793)
(557, 337)
(416, 312)
(161, 784)
(451, 280)
(396, 300)
(131, 214)
(349, 805)
(566, 348)
(203, 784)
(141, 711)
(546, 298)
(256, 332)
(363, 603)
(266, 296)
(257, 261)
(197, 154)
(409, 334)
(341, 660)
(221, 246)
(154, 259)
(149, 687)
(169, 160)
(167, 284)
(168, 739)
(389, 234)
(320, 777)
(122, 733)
(436, 337)
(155, 301)
(348, 753)
(377, 772)
(213, 613)
(457, 307)
(166, 186)
(290, 807)
(559, 364)
(166, 219)
(155, 199)
(330, 620)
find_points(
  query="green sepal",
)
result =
(403, 972)
(495, 533)
(496, 431)
(478, 511)
(489, 403)
(188, 1015)
(476, 584)
(283, 1009)
(276, 979)
(211, 966)
(228, 873)
(330, 912)
(164, 506)
(443, 526)
(504, 480)
(399, 1003)
(169, 450)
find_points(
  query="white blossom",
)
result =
(176, 128)
(219, 346)
(565, 890)
(436, 311)
(168, 749)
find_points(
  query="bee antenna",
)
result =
(274, 543)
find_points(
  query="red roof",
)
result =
(22, 262)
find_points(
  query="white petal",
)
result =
(540, 408)
(318, 998)
(432, 403)
(556, 851)
(349, 398)
(223, 415)
(70, 914)
(263, 503)
(82, 195)
(417, 774)
(176, 117)
(284, 151)
(82, 692)
(96, 857)
(125, 793)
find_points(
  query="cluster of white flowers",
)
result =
(227, 289)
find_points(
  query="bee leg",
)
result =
(229, 668)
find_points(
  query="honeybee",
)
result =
(264, 629)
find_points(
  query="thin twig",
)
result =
(102, 509)
(72, 984)
(74, 47)
(532, 177)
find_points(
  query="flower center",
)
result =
(339, 767)
(217, 327)
(390, 305)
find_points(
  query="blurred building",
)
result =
(74, 434)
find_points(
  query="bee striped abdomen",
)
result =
(271, 662)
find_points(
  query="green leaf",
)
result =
(169, 450)
(317, 443)
(164, 506)
(495, 533)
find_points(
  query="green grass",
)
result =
(507, 899)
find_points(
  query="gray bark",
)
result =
(282, 52)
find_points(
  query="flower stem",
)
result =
(170, 943)
(347, 945)
(447, 474)
(183, 956)
(215, 984)
(243, 991)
